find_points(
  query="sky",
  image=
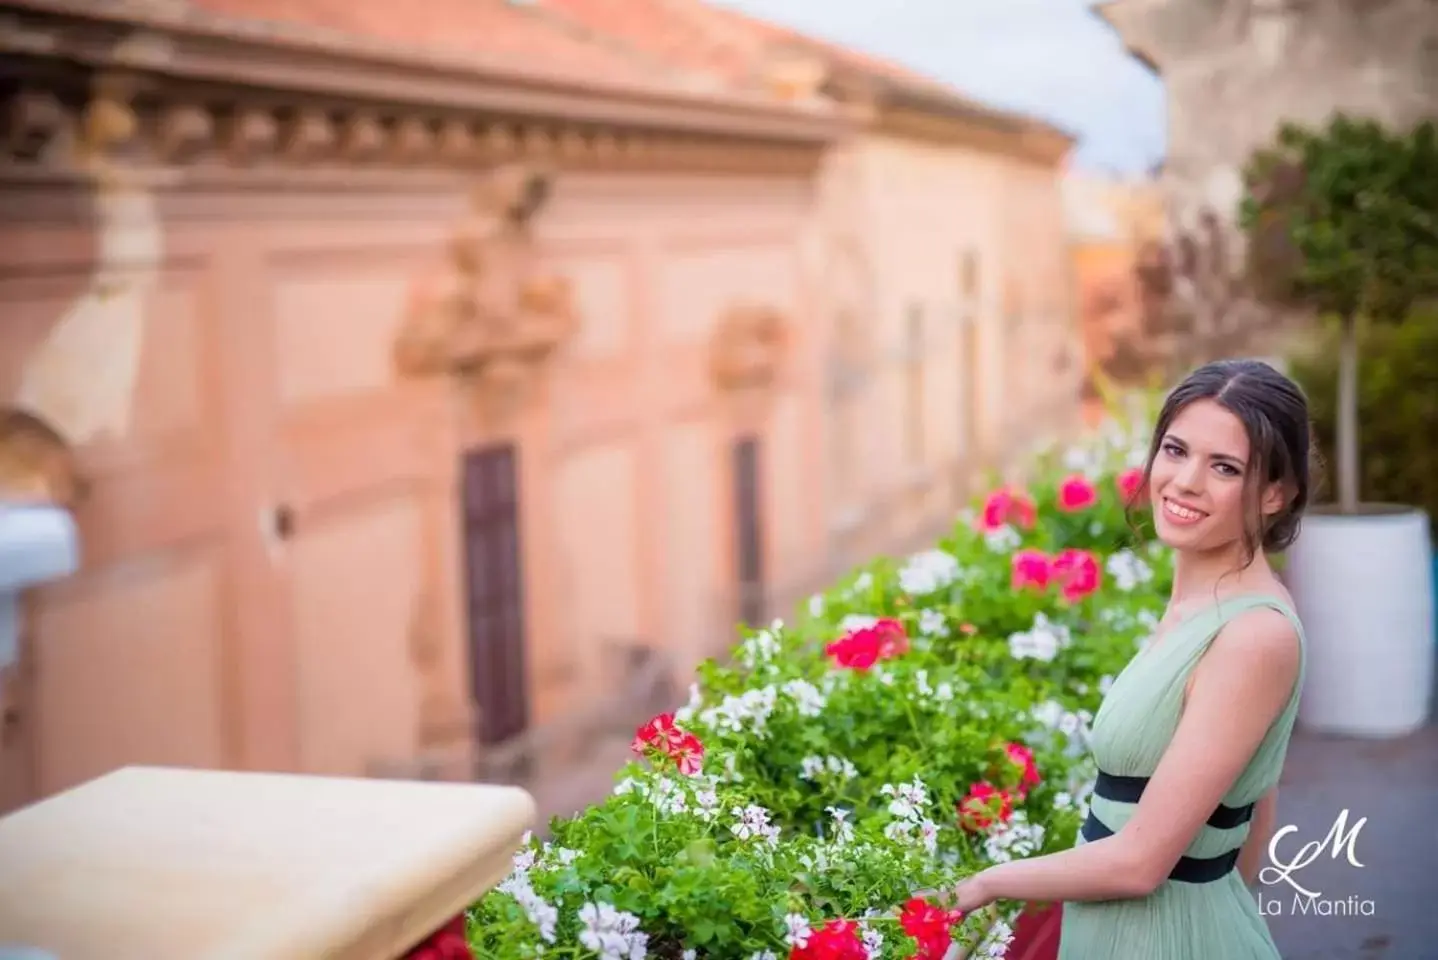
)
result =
(1053, 59)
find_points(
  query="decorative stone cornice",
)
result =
(157, 95)
(492, 316)
(747, 348)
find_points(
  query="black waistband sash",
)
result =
(1188, 869)
(1130, 789)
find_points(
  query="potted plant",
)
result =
(1342, 223)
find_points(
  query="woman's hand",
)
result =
(973, 894)
(970, 895)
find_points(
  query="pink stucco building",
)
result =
(412, 367)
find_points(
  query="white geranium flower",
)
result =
(797, 930)
(696, 700)
(843, 828)
(808, 699)
(996, 944)
(753, 823)
(613, 934)
(1042, 641)
(745, 713)
(1005, 539)
(907, 799)
(1128, 570)
(1015, 839)
(758, 649)
(932, 623)
(928, 572)
(873, 941)
(540, 912)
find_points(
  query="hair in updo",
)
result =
(1274, 412)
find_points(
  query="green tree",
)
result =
(1343, 221)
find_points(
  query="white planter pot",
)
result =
(1363, 587)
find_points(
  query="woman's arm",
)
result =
(1250, 858)
(1238, 688)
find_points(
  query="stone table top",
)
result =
(154, 863)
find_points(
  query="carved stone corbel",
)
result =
(363, 137)
(492, 316)
(747, 349)
(308, 136)
(252, 133)
(185, 130)
(456, 144)
(34, 121)
(413, 140)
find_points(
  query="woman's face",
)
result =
(1197, 483)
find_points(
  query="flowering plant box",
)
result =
(924, 718)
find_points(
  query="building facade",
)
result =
(419, 372)
(949, 292)
(945, 284)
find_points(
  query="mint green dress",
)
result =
(1208, 920)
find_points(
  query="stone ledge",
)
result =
(202, 865)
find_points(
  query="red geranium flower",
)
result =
(1129, 483)
(1077, 572)
(891, 638)
(661, 735)
(688, 755)
(1077, 493)
(836, 940)
(1030, 569)
(446, 943)
(861, 648)
(984, 805)
(930, 925)
(1007, 506)
(1023, 758)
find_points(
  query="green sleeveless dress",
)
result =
(1206, 919)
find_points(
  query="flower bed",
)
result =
(921, 720)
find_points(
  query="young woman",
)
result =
(1191, 737)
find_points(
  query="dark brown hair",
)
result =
(1274, 412)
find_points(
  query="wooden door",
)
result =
(498, 681)
(749, 538)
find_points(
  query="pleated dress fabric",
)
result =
(1216, 920)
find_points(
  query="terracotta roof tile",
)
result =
(701, 35)
(676, 33)
(667, 46)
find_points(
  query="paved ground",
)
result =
(1392, 788)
